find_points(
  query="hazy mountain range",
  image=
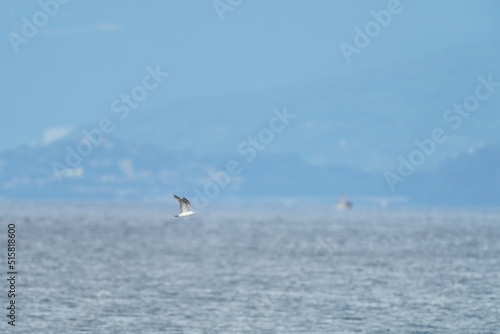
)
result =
(364, 119)
(118, 170)
(346, 133)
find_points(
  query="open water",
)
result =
(133, 268)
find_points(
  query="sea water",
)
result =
(134, 268)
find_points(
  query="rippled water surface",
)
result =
(132, 268)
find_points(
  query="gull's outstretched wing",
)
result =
(183, 203)
(186, 201)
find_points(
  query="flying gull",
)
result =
(184, 206)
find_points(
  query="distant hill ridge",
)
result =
(119, 170)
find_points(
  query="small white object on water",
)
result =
(343, 204)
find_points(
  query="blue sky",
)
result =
(91, 52)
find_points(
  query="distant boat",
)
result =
(343, 203)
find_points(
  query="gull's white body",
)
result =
(186, 214)
(184, 205)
